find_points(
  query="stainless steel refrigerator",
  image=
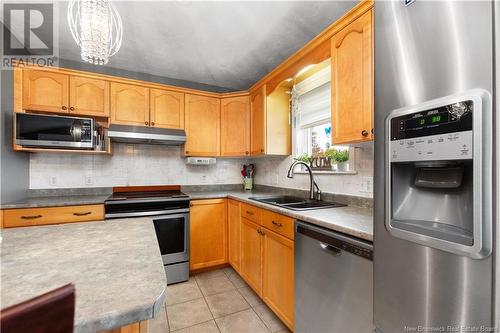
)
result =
(434, 244)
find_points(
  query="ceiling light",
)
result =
(96, 27)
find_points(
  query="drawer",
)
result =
(51, 215)
(252, 213)
(278, 223)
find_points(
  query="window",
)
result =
(311, 107)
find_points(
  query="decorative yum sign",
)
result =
(321, 163)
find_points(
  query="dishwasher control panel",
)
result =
(357, 250)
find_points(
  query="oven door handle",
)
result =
(150, 213)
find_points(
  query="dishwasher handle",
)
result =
(334, 242)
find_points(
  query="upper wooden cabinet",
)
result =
(202, 124)
(45, 91)
(207, 233)
(129, 104)
(88, 96)
(235, 126)
(167, 109)
(352, 81)
(258, 121)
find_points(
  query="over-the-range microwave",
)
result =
(49, 131)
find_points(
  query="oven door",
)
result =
(172, 232)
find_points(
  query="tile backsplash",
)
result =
(162, 165)
(129, 165)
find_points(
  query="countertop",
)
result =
(117, 271)
(351, 220)
(56, 201)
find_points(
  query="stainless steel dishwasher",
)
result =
(333, 281)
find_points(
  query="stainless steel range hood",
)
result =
(146, 135)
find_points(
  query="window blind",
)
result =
(314, 107)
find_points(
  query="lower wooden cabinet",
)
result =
(208, 233)
(234, 233)
(24, 217)
(138, 327)
(277, 275)
(251, 254)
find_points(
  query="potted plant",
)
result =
(341, 157)
(304, 158)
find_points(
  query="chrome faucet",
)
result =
(312, 195)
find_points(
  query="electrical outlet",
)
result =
(203, 179)
(52, 181)
(88, 180)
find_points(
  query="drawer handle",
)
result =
(31, 217)
(249, 212)
(277, 224)
(330, 249)
(82, 214)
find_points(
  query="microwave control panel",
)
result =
(441, 133)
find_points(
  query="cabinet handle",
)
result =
(246, 153)
(82, 214)
(249, 212)
(262, 232)
(262, 150)
(64, 107)
(364, 133)
(187, 151)
(72, 108)
(152, 123)
(146, 123)
(258, 231)
(372, 130)
(277, 224)
(31, 217)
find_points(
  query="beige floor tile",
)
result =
(188, 314)
(241, 322)
(236, 279)
(229, 270)
(207, 327)
(183, 292)
(215, 285)
(209, 274)
(269, 318)
(159, 324)
(286, 330)
(226, 303)
(250, 296)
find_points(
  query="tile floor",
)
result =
(215, 301)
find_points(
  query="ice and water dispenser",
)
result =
(438, 174)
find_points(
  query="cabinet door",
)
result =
(251, 255)
(235, 126)
(88, 96)
(167, 109)
(234, 233)
(129, 104)
(277, 275)
(352, 82)
(208, 233)
(258, 116)
(202, 117)
(45, 91)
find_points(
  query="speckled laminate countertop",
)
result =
(115, 266)
(351, 220)
(56, 201)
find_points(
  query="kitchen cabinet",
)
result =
(167, 109)
(45, 91)
(278, 223)
(88, 96)
(258, 123)
(202, 124)
(277, 275)
(129, 104)
(208, 233)
(235, 126)
(24, 217)
(352, 81)
(251, 256)
(234, 233)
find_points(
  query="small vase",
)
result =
(342, 166)
(248, 183)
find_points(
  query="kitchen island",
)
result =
(115, 266)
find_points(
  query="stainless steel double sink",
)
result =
(296, 203)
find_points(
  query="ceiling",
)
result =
(224, 44)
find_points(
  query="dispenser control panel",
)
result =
(440, 133)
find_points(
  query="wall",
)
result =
(273, 170)
(129, 165)
(14, 166)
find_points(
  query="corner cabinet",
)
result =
(129, 104)
(352, 81)
(258, 123)
(207, 233)
(235, 126)
(202, 124)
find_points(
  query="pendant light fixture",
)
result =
(96, 27)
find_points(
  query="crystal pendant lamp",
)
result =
(96, 27)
